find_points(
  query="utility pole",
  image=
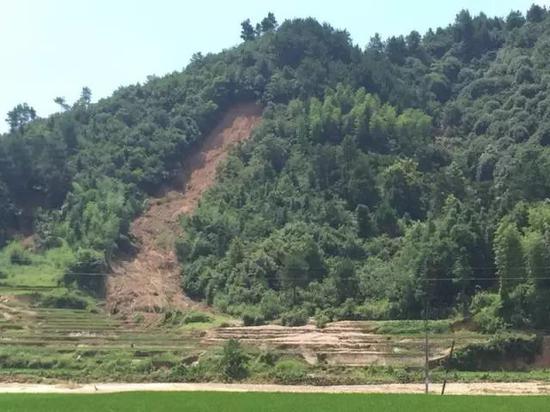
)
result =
(426, 348)
(447, 367)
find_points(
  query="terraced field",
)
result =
(34, 340)
(347, 343)
(86, 345)
(49, 345)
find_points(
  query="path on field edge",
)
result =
(480, 388)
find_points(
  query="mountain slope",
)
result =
(384, 181)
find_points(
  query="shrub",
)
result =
(296, 317)
(412, 327)
(233, 363)
(173, 318)
(376, 310)
(252, 317)
(196, 372)
(519, 133)
(322, 317)
(501, 352)
(485, 309)
(321, 320)
(517, 307)
(196, 317)
(404, 376)
(268, 357)
(68, 300)
(348, 311)
(177, 318)
(86, 271)
(289, 371)
(270, 305)
(183, 249)
(18, 255)
(486, 86)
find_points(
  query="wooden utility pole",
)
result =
(447, 367)
(426, 349)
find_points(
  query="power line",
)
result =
(476, 268)
(527, 277)
(25, 262)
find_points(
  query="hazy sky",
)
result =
(52, 48)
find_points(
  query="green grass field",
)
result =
(255, 402)
(33, 269)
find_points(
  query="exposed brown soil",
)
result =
(149, 281)
(12, 314)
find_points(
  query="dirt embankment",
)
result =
(149, 281)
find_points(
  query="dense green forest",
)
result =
(384, 179)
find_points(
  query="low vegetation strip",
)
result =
(207, 401)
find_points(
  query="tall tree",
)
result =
(269, 23)
(365, 226)
(247, 31)
(509, 257)
(376, 46)
(396, 49)
(294, 273)
(413, 40)
(535, 13)
(61, 102)
(514, 20)
(19, 116)
(85, 97)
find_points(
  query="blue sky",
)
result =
(52, 48)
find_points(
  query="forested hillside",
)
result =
(384, 179)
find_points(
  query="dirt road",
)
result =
(149, 281)
(484, 388)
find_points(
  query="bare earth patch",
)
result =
(149, 281)
(349, 343)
